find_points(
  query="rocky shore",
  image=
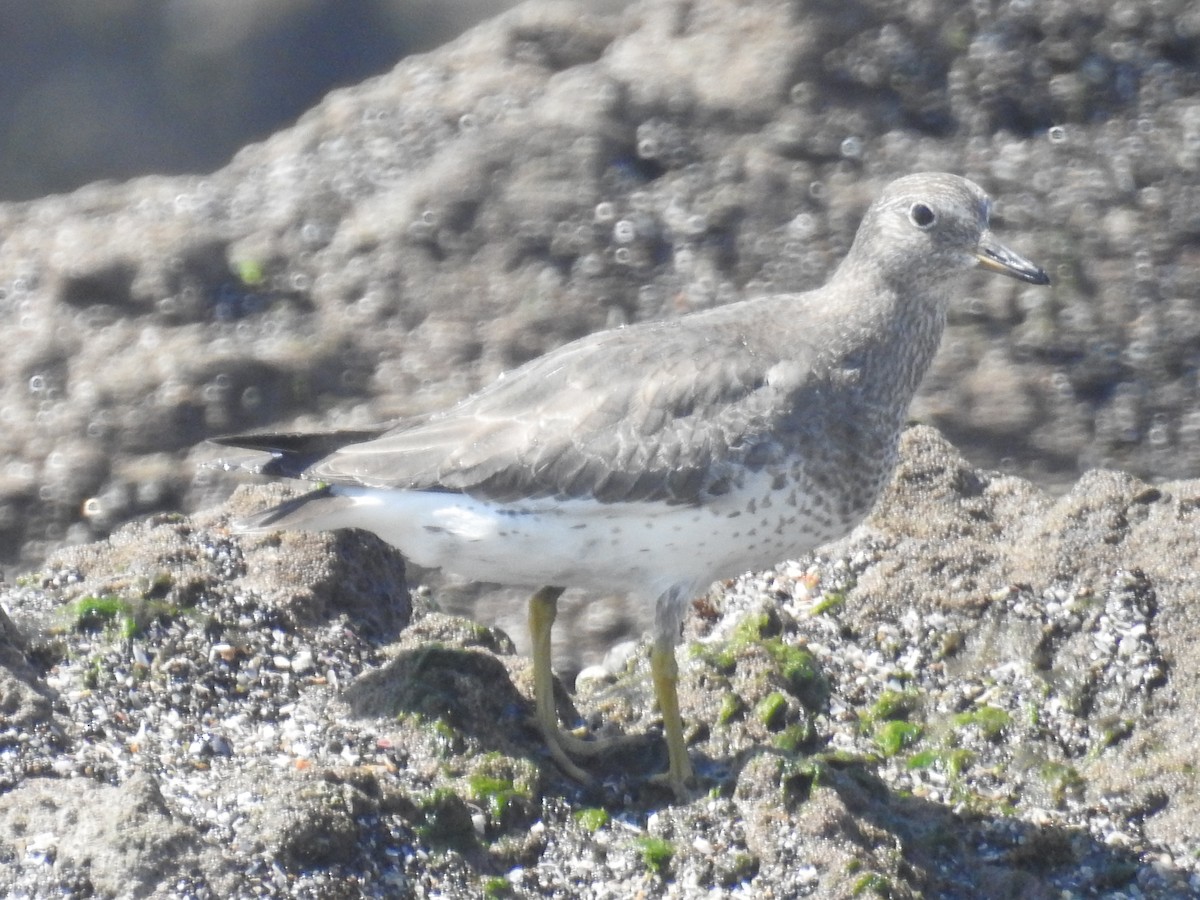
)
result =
(987, 691)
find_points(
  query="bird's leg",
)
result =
(665, 672)
(543, 608)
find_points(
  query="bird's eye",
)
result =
(922, 216)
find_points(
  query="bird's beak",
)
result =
(995, 257)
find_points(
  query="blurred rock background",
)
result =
(119, 88)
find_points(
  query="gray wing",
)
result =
(660, 411)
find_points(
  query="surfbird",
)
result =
(656, 458)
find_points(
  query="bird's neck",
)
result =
(893, 338)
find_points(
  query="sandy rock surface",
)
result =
(983, 692)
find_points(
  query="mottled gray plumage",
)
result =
(628, 458)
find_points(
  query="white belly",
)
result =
(641, 548)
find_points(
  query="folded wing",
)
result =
(665, 416)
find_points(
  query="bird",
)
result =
(657, 458)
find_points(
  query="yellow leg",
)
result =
(543, 608)
(665, 672)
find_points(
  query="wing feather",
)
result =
(660, 415)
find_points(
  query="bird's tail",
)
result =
(286, 455)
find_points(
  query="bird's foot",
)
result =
(590, 748)
(565, 763)
(684, 786)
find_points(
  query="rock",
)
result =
(113, 841)
(24, 701)
(996, 680)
